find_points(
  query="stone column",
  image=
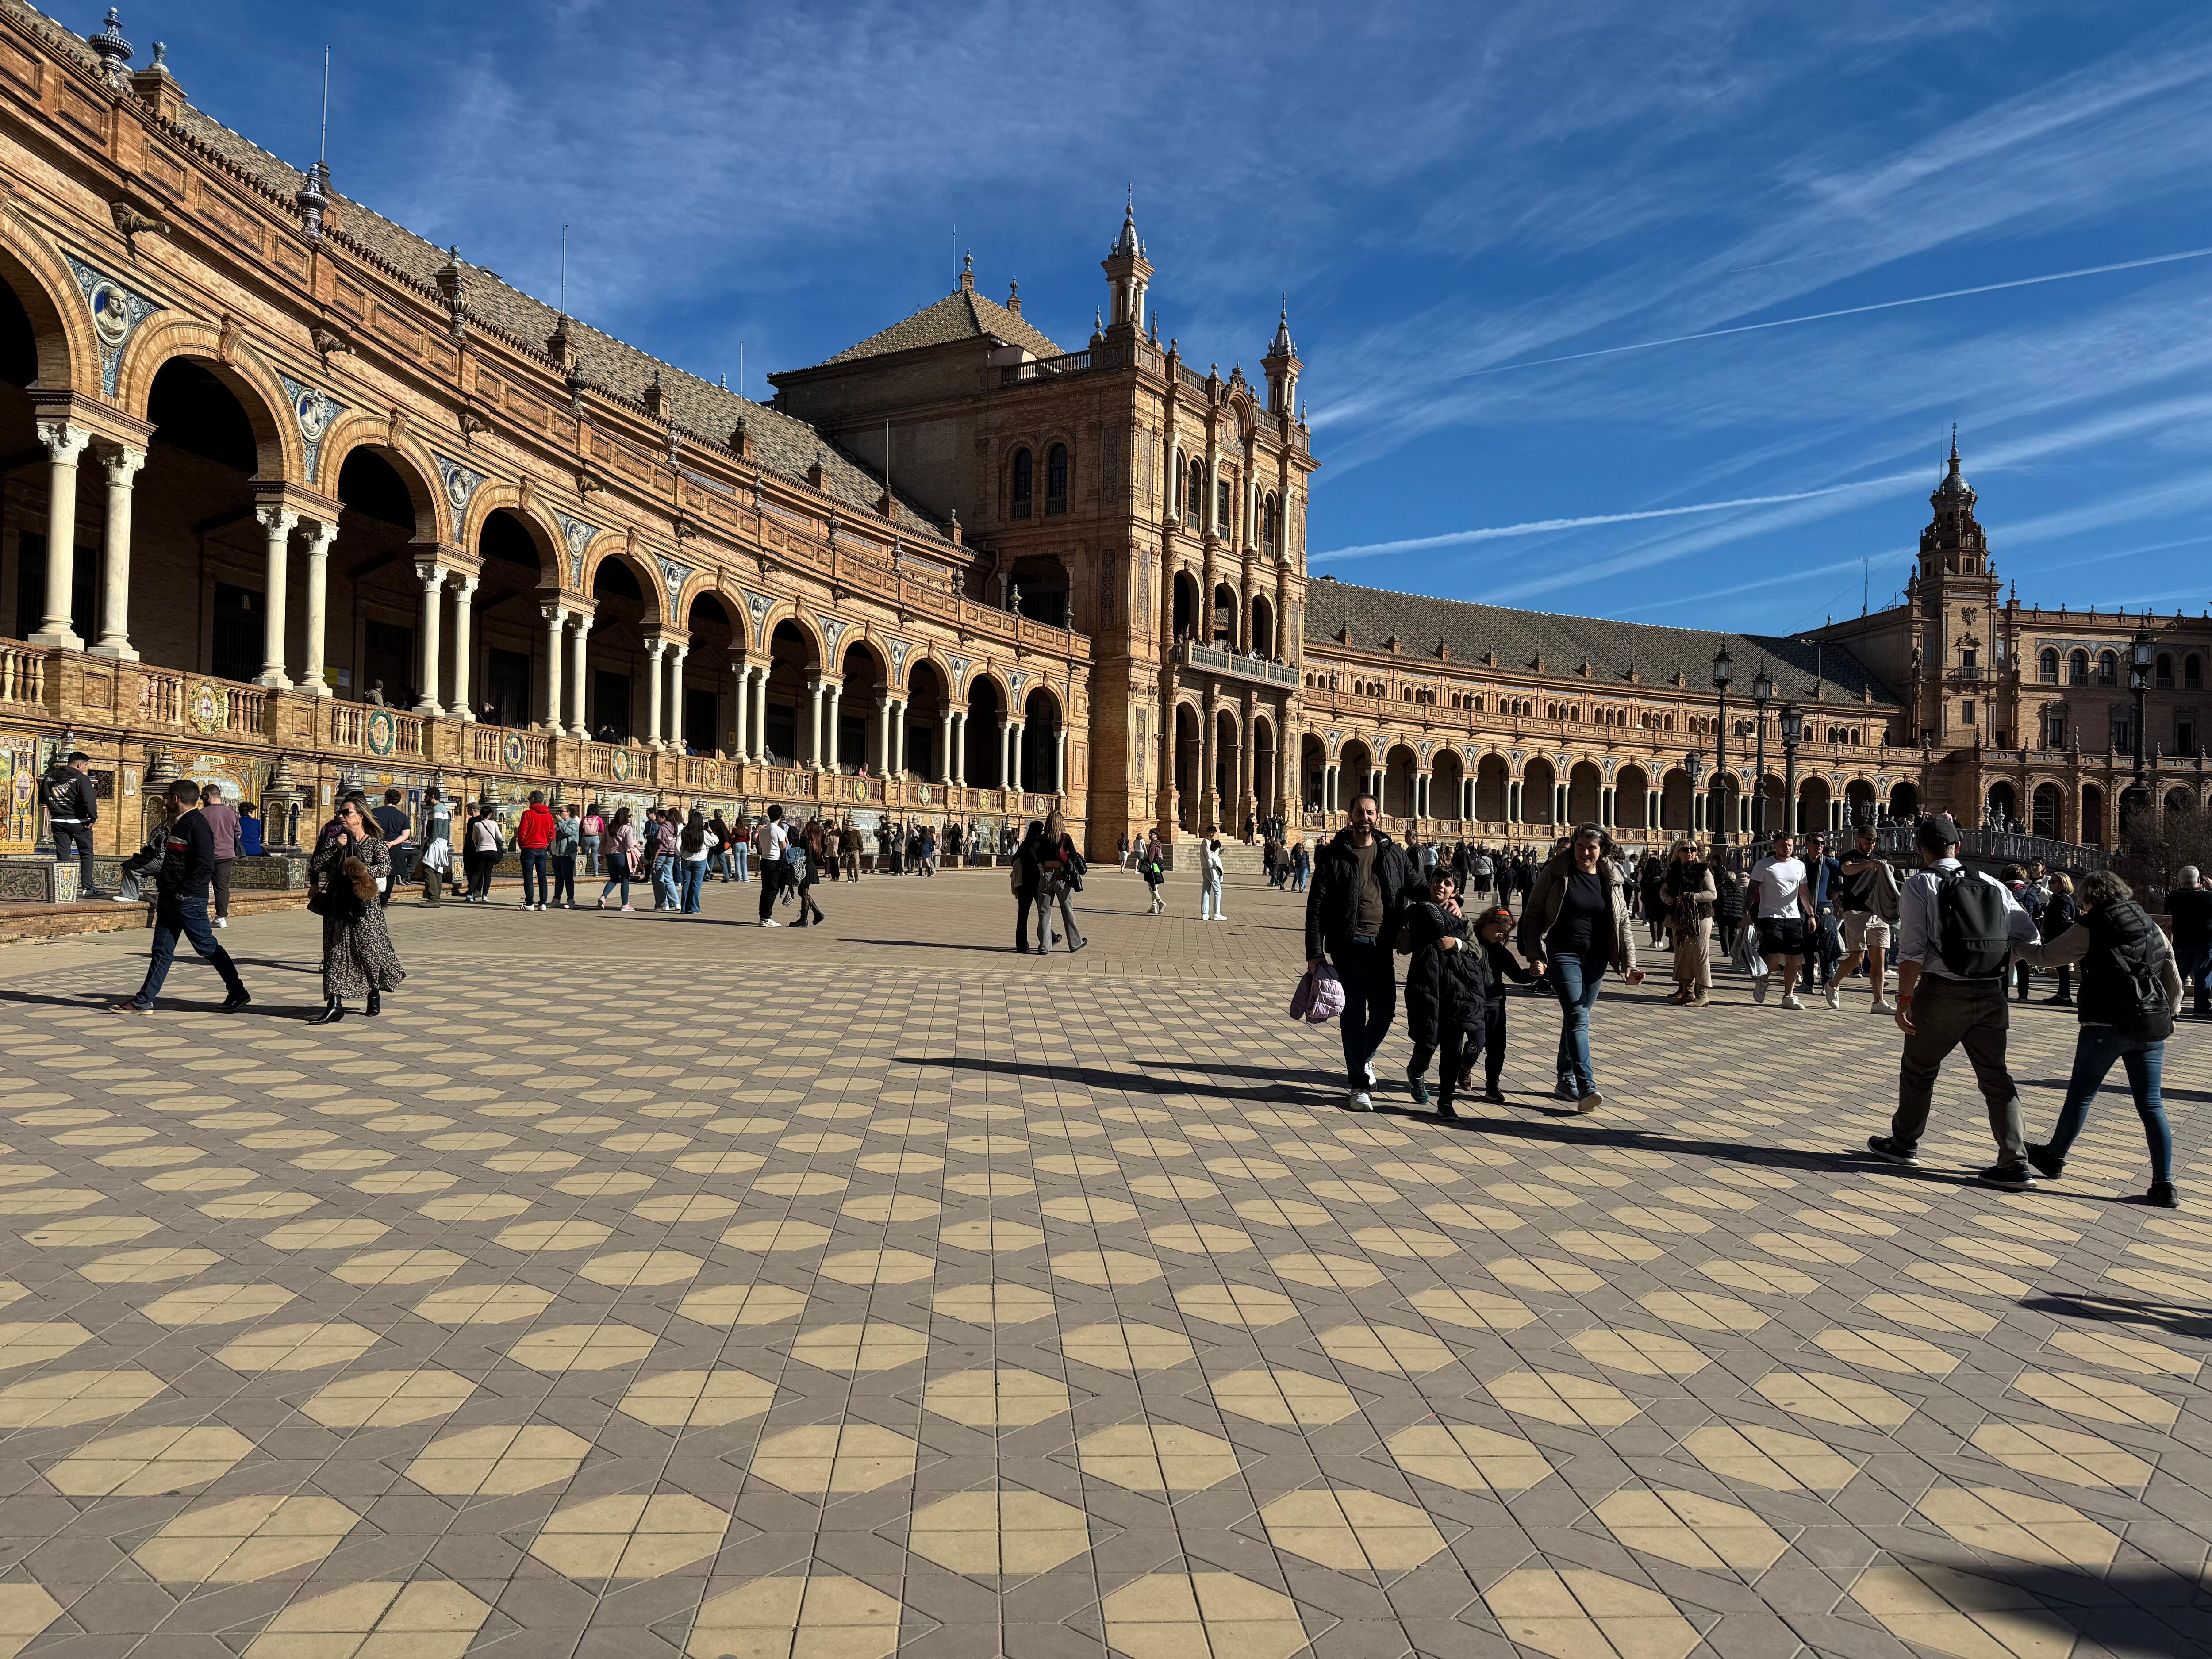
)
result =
(656, 648)
(318, 609)
(833, 744)
(556, 645)
(1328, 786)
(760, 713)
(882, 745)
(429, 644)
(740, 750)
(577, 681)
(122, 466)
(277, 525)
(955, 747)
(1247, 763)
(464, 602)
(677, 652)
(1005, 754)
(898, 739)
(814, 689)
(1060, 760)
(64, 443)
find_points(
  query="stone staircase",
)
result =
(1239, 859)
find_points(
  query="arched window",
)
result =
(2108, 668)
(1222, 509)
(2164, 671)
(2077, 668)
(1055, 479)
(2047, 665)
(1196, 512)
(1025, 482)
(2192, 673)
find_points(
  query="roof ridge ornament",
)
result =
(112, 50)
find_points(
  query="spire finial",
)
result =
(1954, 446)
(967, 273)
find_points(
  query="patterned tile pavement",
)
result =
(642, 1286)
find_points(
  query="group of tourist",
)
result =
(1960, 941)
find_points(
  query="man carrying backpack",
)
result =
(1956, 932)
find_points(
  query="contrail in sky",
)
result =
(1846, 310)
(1542, 526)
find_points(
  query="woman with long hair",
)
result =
(1576, 924)
(1686, 891)
(358, 959)
(623, 849)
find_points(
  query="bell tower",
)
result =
(1958, 678)
(1281, 365)
(1128, 275)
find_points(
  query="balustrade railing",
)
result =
(22, 674)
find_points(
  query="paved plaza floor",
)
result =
(638, 1286)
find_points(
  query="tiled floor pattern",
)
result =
(642, 1287)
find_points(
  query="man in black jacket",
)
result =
(1361, 881)
(187, 867)
(72, 806)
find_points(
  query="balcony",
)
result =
(1216, 660)
(1045, 368)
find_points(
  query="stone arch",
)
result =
(1041, 686)
(65, 345)
(281, 452)
(1585, 791)
(1446, 773)
(1492, 778)
(1677, 802)
(1632, 789)
(2001, 804)
(1814, 794)
(2047, 810)
(357, 429)
(642, 569)
(1401, 767)
(1859, 803)
(930, 657)
(1538, 777)
(978, 673)
(509, 499)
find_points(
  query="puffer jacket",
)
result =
(1444, 988)
(1332, 895)
(1550, 892)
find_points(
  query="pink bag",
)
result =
(1320, 996)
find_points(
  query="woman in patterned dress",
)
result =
(358, 959)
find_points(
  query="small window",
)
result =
(2185, 736)
(2054, 729)
(2047, 664)
(2108, 669)
(2077, 668)
(1968, 659)
(1222, 508)
(1025, 482)
(2192, 673)
(1966, 711)
(1197, 498)
(1055, 479)
(2164, 671)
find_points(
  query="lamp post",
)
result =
(1762, 693)
(1723, 671)
(2135, 804)
(1793, 730)
(1694, 765)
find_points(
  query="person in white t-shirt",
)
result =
(1780, 901)
(770, 837)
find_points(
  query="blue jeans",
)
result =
(737, 853)
(619, 873)
(1576, 979)
(694, 875)
(177, 914)
(537, 884)
(1370, 1004)
(2094, 1050)
(664, 882)
(2196, 967)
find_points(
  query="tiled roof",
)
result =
(1375, 615)
(963, 314)
(780, 443)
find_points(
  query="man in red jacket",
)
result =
(534, 836)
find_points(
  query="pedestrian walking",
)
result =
(1361, 880)
(803, 855)
(1503, 969)
(1779, 899)
(693, 846)
(625, 852)
(1209, 875)
(568, 839)
(1574, 927)
(1866, 898)
(180, 907)
(2059, 915)
(593, 825)
(2131, 988)
(1687, 890)
(1728, 904)
(1447, 989)
(2029, 898)
(533, 839)
(1301, 866)
(2189, 906)
(391, 822)
(1957, 929)
(1027, 881)
(222, 823)
(437, 857)
(1823, 931)
(1063, 872)
(71, 800)
(485, 847)
(358, 959)
(1152, 865)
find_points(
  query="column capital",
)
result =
(63, 440)
(277, 518)
(431, 573)
(122, 463)
(556, 614)
(654, 645)
(320, 532)
(463, 581)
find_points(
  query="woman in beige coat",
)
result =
(1687, 886)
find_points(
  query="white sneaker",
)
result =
(223, 921)
(1790, 1000)
(1758, 987)
(1590, 1101)
(1835, 993)
(1359, 1101)
(771, 922)
(1370, 1073)
(1881, 1008)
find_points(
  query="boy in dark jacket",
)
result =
(1493, 929)
(1447, 990)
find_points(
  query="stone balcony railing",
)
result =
(1214, 659)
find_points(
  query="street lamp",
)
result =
(2135, 809)
(1723, 671)
(1793, 732)
(1762, 693)
(1694, 765)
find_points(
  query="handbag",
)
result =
(1319, 996)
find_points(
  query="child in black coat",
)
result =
(1447, 991)
(1494, 928)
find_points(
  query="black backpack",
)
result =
(1970, 928)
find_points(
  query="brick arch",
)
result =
(642, 565)
(545, 534)
(364, 429)
(68, 349)
(161, 340)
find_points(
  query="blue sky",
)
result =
(1448, 194)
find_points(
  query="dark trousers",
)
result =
(1969, 1014)
(480, 869)
(1370, 1004)
(1824, 949)
(434, 885)
(79, 837)
(222, 886)
(403, 870)
(537, 863)
(175, 915)
(1457, 1062)
(564, 879)
(2196, 966)
(771, 884)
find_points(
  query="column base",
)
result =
(554, 729)
(315, 688)
(60, 639)
(461, 711)
(428, 707)
(120, 650)
(275, 679)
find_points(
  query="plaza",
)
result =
(648, 1286)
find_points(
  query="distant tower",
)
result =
(1954, 544)
(1282, 366)
(1958, 639)
(1128, 276)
